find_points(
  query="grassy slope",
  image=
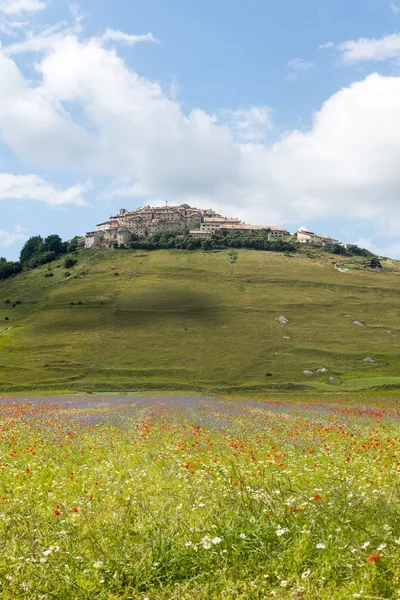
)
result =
(191, 320)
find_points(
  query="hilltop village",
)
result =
(200, 223)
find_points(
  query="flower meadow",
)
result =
(195, 497)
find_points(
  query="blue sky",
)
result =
(279, 113)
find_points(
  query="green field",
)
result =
(180, 320)
(199, 498)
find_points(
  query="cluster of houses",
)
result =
(200, 223)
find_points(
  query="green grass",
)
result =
(177, 320)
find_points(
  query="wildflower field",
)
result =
(195, 497)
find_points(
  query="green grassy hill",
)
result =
(172, 319)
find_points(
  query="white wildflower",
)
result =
(382, 547)
(206, 542)
(216, 540)
(320, 546)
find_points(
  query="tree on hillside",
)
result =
(206, 244)
(53, 243)
(40, 259)
(33, 246)
(8, 269)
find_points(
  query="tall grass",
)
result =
(199, 498)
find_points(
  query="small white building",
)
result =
(200, 233)
(308, 237)
(214, 223)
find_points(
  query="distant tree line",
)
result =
(257, 240)
(37, 251)
(350, 251)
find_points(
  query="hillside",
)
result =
(170, 320)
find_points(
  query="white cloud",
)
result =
(131, 132)
(249, 124)
(11, 27)
(32, 187)
(126, 38)
(77, 15)
(298, 67)
(124, 188)
(370, 49)
(326, 46)
(8, 239)
(395, 8)
(17, 7)
(50, 38)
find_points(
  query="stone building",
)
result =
(145, 222)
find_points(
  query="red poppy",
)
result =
(75, 510)
(372, 558)
(316, 497)
(57, 512)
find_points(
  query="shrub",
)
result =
(49, 275)
(8, 269)
(41, 259)
(357, 251)
(337, 249)
(67, 274)
(70, 262)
